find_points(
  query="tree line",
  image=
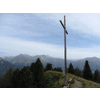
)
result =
(86, 73)
(33, 76)
(27, 77)
(49, 67)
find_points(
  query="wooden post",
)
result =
(65, 50)
(65, 31)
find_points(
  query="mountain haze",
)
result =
(26, 60)
(94, 63)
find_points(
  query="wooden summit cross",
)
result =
(65, 32)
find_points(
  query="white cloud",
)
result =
(15, 46)
(79, 53)
(87, 23)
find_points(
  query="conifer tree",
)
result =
(96, 76)
(55, 69)
(26, 78)
(71, 69)
(87, 73)
(16, 78)
(7, 79)
(58, 69)
(38, 71)
(48, 67)
(0, 82)
(78, 72)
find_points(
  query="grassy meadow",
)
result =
(56, 80)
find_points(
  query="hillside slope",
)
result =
(56, 80)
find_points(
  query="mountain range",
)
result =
(5, 65)
(25, 60)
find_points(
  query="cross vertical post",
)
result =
(65, 50)
(65, 32)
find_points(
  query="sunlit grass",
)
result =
(56, 80)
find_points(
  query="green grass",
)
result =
(87, 83)
(56, 80)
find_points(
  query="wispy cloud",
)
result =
(16, 46)
(81, 22)
(79, 53)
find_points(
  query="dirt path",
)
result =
(77, 84)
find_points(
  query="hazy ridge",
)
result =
(26, 60)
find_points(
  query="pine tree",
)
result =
(27, 67)
(38, 71)
(87, 73)
(27, 78)
(55, 69)
(16, 78)
(58, 69)
(7, 79)
(96, 76)
(78, 72)
(48, 67)
(71, 69)
(39, 74)
(32, 67)
(0, 82)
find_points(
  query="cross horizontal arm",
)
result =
(63, 26)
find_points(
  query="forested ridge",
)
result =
(27, 77)
(37, 76)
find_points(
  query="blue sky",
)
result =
(42, 33)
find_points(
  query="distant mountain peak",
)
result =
(1, 59)
(26, 60)
(92, 58)
(95, 57)
(20, 54)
